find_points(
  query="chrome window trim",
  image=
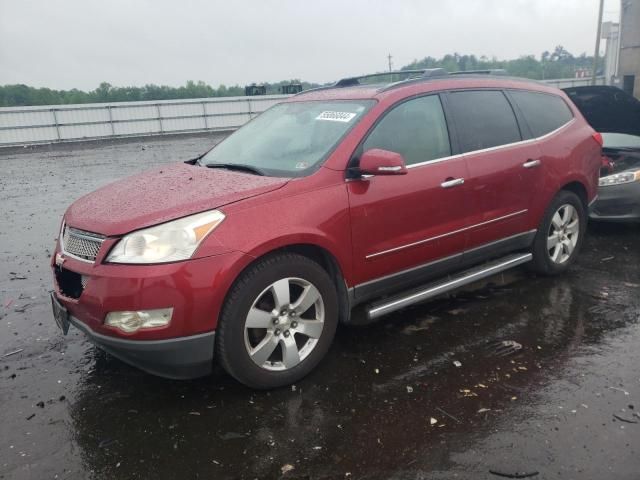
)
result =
(448, 234)
(491, 149)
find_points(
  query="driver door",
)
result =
(409, 227)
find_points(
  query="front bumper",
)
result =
(617, 203)
(195, 289)
(177, 358)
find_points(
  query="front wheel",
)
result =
(277, 322)
(560, 234)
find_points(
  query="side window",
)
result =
(484, 119)
(416, 129)
(543, 112)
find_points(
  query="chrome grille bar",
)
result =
(80, 244)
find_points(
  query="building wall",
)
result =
(630, 44)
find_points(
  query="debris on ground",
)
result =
(422, 325)
(106, 442)
(194, 413)
(23, 308)
(619, 390)
(433, 421)
(622, 419)
(504, 348)
(14, 352)
(483, 410)
(448, 414)
(606, 259)
(457, 363)
(409, 389)
(31, 416)
(286, 468)
(513, 475)
(15, 276)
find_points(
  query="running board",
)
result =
(402, 300)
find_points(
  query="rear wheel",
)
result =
(277, 322)
(560, 234)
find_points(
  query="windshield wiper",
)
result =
(235, 166)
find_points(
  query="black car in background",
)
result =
(616, 115)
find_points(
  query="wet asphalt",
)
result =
(421, 394)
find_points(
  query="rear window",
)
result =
(543, 113)
(484, 119)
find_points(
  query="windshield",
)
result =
(289, 139)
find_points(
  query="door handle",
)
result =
(449, 183)
(531, 163)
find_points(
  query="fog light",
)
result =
(132, 321)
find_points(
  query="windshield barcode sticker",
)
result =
(336, 116)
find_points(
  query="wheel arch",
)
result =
(579, 189)
(319, 254)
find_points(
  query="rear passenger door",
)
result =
(503, 170)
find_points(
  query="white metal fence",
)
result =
(574, 82)
(26, 125)
(60, 123)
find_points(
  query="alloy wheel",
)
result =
(564, 230)
(284, 324)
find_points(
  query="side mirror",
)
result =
(382, 162)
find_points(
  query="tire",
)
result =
(559, 237)
(269, 313)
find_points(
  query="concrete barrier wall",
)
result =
(60, 123)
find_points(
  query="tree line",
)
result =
(556, 64)
(23, 95)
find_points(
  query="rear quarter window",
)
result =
(543, 112)
(484, 119)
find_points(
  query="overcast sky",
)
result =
(79, 43)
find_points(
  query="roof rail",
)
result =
(407, 74)
(491, 71)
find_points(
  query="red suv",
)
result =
(377, 195)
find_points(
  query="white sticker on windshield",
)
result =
(336, 116)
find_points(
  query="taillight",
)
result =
(598, 138)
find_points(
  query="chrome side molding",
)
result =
(431, 290)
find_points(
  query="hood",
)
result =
(162, 194)
(607, 109)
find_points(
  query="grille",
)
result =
(81, 244)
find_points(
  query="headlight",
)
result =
(169, 242)
(619, 178)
